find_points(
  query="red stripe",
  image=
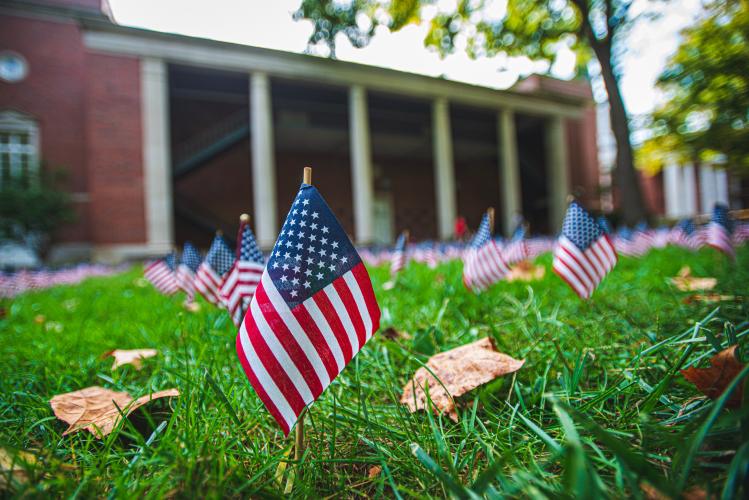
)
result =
(571, 284)
(583, 266)
(353, 312)
(327, 310)
(288, 342)
(365, 285)
(267, 401)
(317, 339)
(272, 366)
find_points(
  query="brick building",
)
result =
(167, 137)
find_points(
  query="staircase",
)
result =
(208, 143)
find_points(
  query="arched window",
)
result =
(19, 146)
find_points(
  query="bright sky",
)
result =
(269, 24)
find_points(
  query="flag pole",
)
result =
(299, 429)
(490, 213)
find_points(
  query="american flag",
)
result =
(517, 249)
(584, 254)
(483, 264)
(605, 224)
(431, 254)
(188, 265)
(161, 275)
(211, 272)
(398, 259)
(244, 276)
(720, 230)
(312, 312)
(741, 233)
(686, 235)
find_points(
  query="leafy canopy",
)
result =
(706, 82)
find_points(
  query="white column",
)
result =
(361, 165)
(689, 190)
(672, 190)
(708, 189)
(556, 159)
(157, 168)
(721, 186)
(510, 173)
(263, 161)
(444, 174)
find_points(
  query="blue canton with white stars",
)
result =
(605, 225)
(170, 260)
(720, 216)
(519, 232)
(312, 249)
(579, 227)
(220, 257)
(400, 243)
(191, 257)
(687, 226)
(248, 250)
(483, 235)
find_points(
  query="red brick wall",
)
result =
(53, 93)
(114, 149)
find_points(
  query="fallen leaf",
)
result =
(374, 471)
(685, 282)
(460, 370)
(708, 298)
(526, 271)
(713, 381)
(13, 465)
(391, 333)
(39, 319)
(388, 285)
(693, 493)
(95, 408)
(129, 357)
(192, 307)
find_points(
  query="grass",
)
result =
(598, 409)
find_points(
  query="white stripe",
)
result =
(265, 380)
(579, 288)
(282, 309)
(322, 324)
(340, 310)
(353, 287)
(574, 265)
(282, 357)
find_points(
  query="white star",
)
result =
(288, 243)
(335, 244)
(323, 252)
(282, 232)
(283, 278)
(305, 202)
(300, 235)
(303, 223)
(319, 276)
(295, 211)
(297, 269)
(309, 260)
(321, 264)
(299, 246)
(314, 225)
(344, 259)
(295, 281)
(308, 272)
(296, 202)
(297, 257)
(312, 237)
(286, 255)
(304, 212)
(315, 215)
(292, 222)
(324, 241)
(325, 229)
(285, 267)
(331, 267)
(291, 232)
(275, 265)
(293, 293)
(306, 284)
(311, 249)
(334, 255)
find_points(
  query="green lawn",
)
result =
(598, 406)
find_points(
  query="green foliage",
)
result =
(598, 408)
(706, 115)
(35, 205)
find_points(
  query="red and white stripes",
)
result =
(208, 283)
(483, 266)
(584, 270)
(291, 355)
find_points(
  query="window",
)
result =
(19, 147)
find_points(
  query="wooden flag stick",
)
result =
(490, 212)
(308, 175)
(244, 218)
(299, 429)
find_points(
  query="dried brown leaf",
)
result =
(13, 465)
(95, 408)
(526, 271)
(685, 282)
(391, 333)
(693, 493)
(129, 357)
(708, 298)
(460, 370)
(374, 471)
(712, 381)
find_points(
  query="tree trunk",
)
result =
(625, 176)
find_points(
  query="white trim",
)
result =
(444, 169)
(557, 171)
(211, 54)
(509, 177)
(362, 182)
(263, 160)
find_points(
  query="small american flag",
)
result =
(584, 254)
(517, 249)
(685, 234)
(398, 259)
(483, 264)
(605, 224)
(312, 312)
(213, 269)
(244, 276)
(161, 275)
(188, 265)
(720, 230)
